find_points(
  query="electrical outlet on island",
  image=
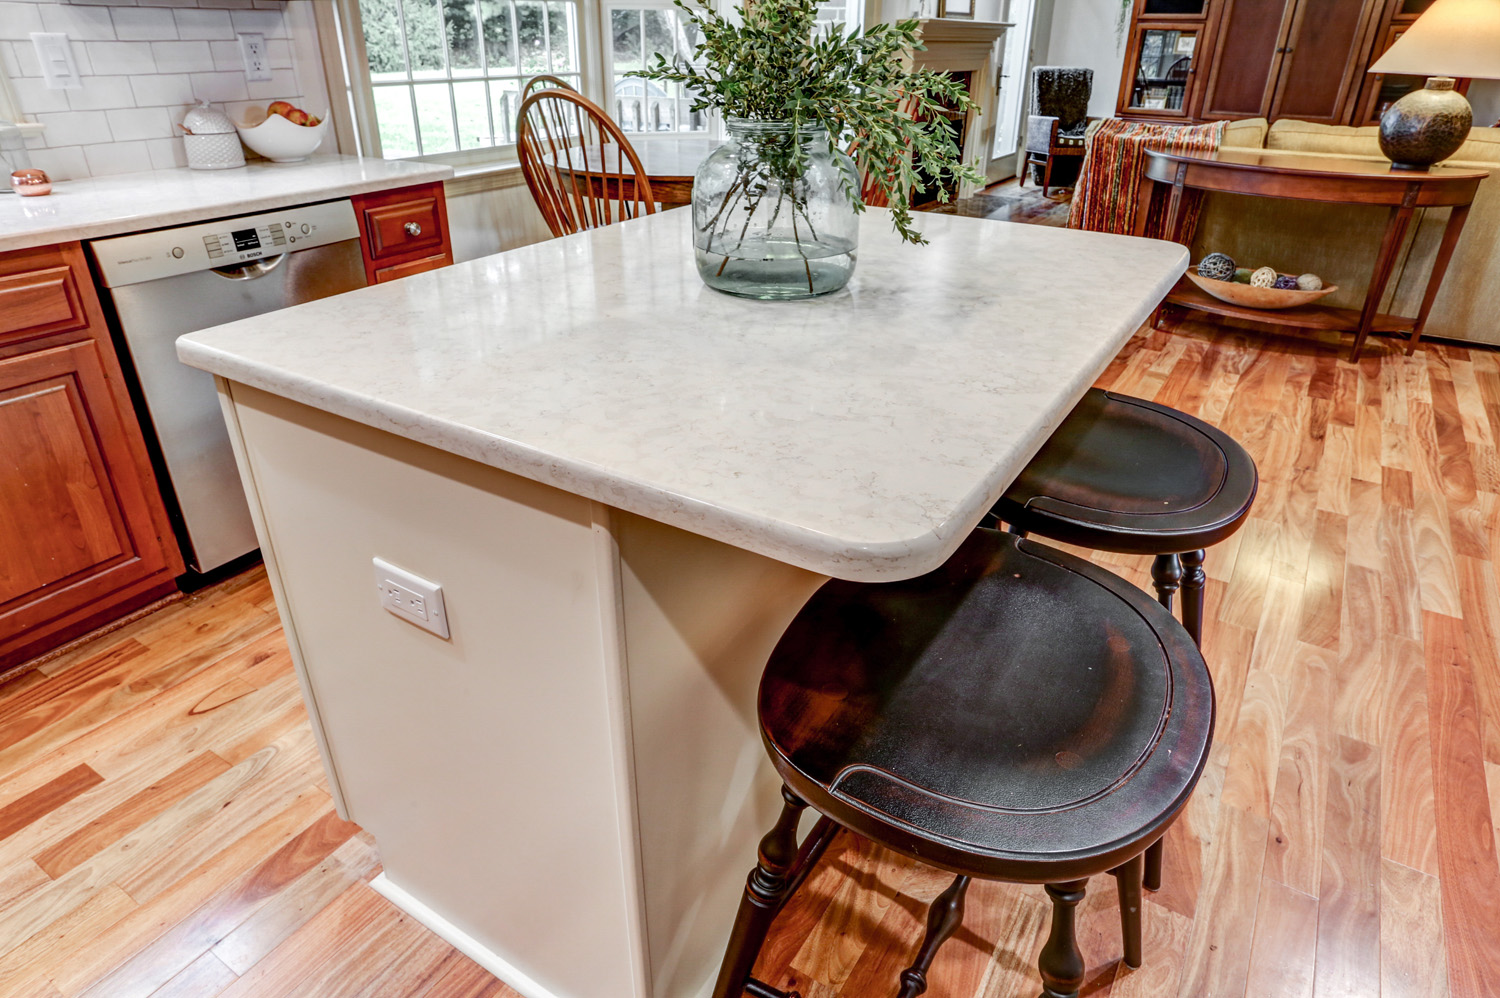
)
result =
(412, 598)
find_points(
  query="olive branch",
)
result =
(773, 63)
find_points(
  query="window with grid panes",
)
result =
(446, 75)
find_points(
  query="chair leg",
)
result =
(1047, 176)
(1025, 170)
(1128, 880)
(1194, 579)
(943, 919)
(765, 892)
(1166, 575)
(1151, 879)
(1061, 963)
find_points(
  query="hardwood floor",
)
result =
(165, 829)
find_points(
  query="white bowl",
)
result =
(280, 141)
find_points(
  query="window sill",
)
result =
(489, 177)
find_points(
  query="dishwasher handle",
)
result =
(252, 270)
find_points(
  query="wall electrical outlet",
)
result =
(411, 597)
(257, 64)
(56, 56)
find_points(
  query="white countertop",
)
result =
(860, 435)
(134, 202)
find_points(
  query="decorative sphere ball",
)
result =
(1242, 275)
(1310, 282)
(1216, 267)
(1285, 282)
(1265, 277)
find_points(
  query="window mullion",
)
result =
(411, 90)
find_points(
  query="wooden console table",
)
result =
(1275, 174)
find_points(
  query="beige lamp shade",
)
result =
(1459, 38)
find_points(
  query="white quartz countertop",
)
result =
(134, 202)
(860, 435)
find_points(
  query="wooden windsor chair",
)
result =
(581, 170)
(545, 81)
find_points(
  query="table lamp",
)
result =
(1455, 38)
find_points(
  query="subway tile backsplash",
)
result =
(143, 65)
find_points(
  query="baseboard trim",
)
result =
(460, 940)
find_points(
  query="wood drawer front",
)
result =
(41, 301)
(410, 267)
(387, 227)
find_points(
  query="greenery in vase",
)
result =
(773, 63)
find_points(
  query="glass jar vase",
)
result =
(772, 212)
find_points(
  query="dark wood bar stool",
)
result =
(1018, 714)
(1130, 476)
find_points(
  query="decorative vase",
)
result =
(1426, 126)
(772, 216)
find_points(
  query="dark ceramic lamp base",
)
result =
(1426, 126)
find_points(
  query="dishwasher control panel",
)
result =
(150, 256)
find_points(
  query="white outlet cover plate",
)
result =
(412, 598)
(253, 52)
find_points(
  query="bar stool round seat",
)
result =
(1130, 476)
(1135, 477)
(1017, 714)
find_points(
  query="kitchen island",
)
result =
(626, 485)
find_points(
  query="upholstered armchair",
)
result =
(1059, 117)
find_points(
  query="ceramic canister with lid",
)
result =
(211, 140)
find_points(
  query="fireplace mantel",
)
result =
(949, 29)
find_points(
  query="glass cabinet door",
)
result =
(1163, 62)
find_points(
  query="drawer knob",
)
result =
(413, 228)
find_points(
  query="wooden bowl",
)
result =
(1249, 296)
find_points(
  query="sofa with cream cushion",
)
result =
(1339, 242)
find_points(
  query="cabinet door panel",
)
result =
(55, 518)
(1327, 51)
(74, 521)
(1247, 58)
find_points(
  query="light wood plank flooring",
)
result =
(165, 829)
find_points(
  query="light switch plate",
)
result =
(53, 51)
(253, 49)
(412, 598)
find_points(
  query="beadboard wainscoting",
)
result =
(142, 66)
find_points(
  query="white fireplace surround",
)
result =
(958, 46)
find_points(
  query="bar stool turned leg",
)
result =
(1061, 962)
(1128, 879)
(1193, 581)
(1166, 575)
(764, 893)
(1152, 876)
(943, 919)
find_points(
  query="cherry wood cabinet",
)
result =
(84, 537)
(1205, 60)
(403, 231)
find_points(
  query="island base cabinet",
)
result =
(571, 787)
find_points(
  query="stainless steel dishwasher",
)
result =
(173, 281)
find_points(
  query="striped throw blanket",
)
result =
(1114, 160)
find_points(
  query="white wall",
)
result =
(1485, 96)
(1083, 33)
(142, 67)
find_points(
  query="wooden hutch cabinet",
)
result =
(1205, 60)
